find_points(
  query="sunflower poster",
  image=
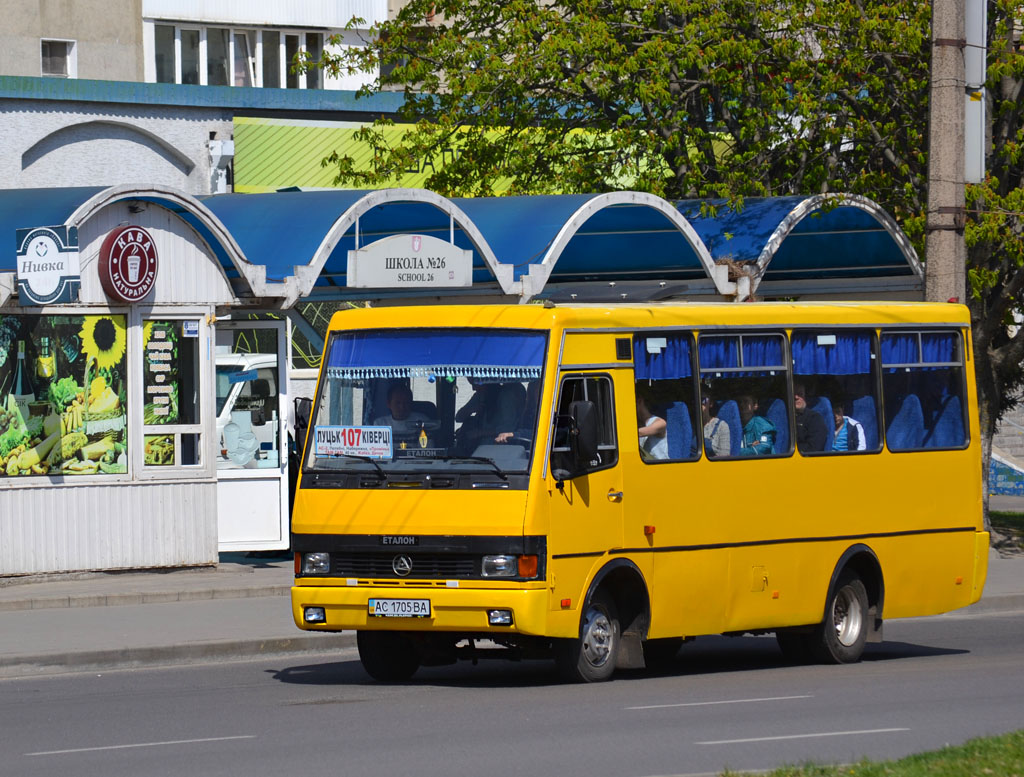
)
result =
(63, 395)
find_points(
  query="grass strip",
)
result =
(999, 756)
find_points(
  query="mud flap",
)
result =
(631, 652)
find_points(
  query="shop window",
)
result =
(248, 398)
(163, 39)
(59, 58)
(171, 413)
(63, 396)
(666, 397)
(743, 390)
(923, 390)
(835, 377)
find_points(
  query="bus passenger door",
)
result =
(585, 491)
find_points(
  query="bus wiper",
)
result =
(380, 470)
(482, 459)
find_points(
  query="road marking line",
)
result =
(141, 744)
(803, 736)
(726, 701)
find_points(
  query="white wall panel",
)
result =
(187, 273)
(125, 526)
(271, 13)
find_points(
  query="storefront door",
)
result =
(252, 435)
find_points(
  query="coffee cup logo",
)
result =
(128, 264)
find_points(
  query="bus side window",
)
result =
(597, 390)
(663, 366)
(743, 377)
(923, 390)
(835, 376)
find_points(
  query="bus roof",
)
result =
(664, 315)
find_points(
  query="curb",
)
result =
(999, 603)
(133, 658)
(153, 597)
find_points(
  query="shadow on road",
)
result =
(706, 655)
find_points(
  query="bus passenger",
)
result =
(653, 431)
(717, 440)
(758, 431)
(849, 432)
(493, 409)
(811, 432)
(403, 420)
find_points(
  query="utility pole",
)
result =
(945, 250)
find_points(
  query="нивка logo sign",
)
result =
(47, 260)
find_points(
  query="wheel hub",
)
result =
(847, 616)
(597, 638)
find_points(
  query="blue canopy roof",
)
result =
(294, 244)
(23, 208)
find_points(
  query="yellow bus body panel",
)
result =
(722, 546)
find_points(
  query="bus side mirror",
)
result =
(584, 433)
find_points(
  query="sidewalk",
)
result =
(94, 621)
(239, 609)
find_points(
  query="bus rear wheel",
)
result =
(841, 636)
(388, 656)
(590, 658)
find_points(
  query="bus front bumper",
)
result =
(462, 609)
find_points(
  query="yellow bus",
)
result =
(598, 484)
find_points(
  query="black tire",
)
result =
(590, 658)
(388, 656)
(797, 647)
(841, 636)
(659, 653)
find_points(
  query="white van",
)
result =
(247, 411)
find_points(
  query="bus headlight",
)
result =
(316, 563)
(499, 566)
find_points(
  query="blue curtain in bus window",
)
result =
(851, 354)
(670, 362)
(899, 349)
(447, 353)
(939, 347)
(718, 352)
(762, 351)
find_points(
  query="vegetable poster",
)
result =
(63, 395)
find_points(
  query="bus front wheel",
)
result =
(388, 656)
(841, 637)
(590, 658)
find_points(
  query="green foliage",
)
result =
(682, 98)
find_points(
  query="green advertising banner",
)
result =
(272, 154)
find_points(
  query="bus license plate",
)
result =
(399, 608)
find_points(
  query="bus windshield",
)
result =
(428, 401)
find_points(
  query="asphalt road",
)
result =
(727, 703)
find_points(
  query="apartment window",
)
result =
(243, 58)
(190, 57)
(271, 69)
(163, 35)
(217, 56)
(58, 58)
(291, 48)
(315, 48)
(222, 56)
